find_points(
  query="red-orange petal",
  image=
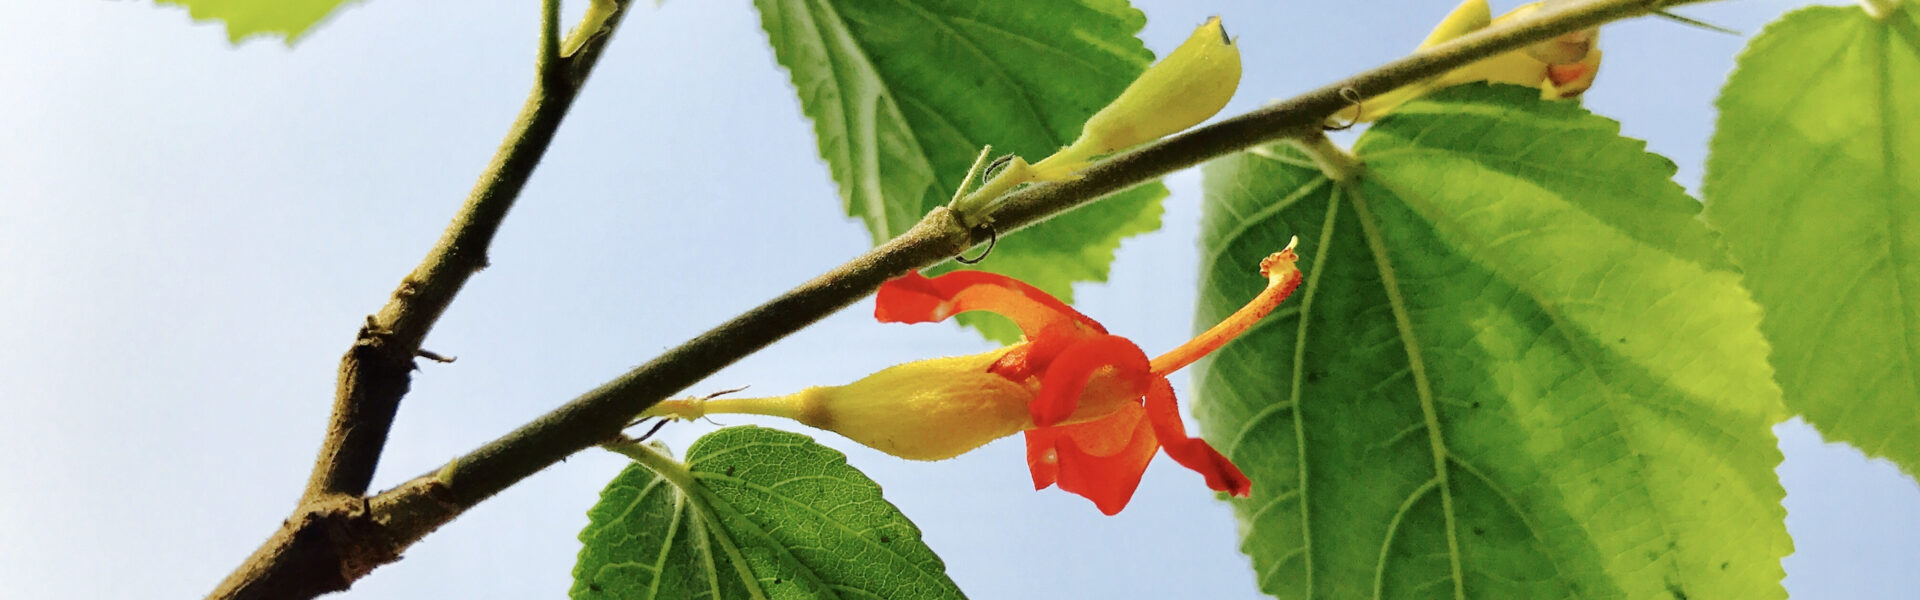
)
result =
(1100, 460)
(1031, 358)
(1561, 74)
(915, 298)
(1066, 376)
(1193, 453)
(1043, 455)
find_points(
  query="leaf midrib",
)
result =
(666, 549)
(1370, 227)
(876, 205)
(822, 517)
(682, 479)
(1568, 335)
(1312, 287)
(1211, 261)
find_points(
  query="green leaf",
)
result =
(1518, 368)
(289, 19)
(1814, 178)
(754, 513)
(904, 94)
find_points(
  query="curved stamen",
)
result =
(1282, 277)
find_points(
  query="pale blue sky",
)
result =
(191, 232)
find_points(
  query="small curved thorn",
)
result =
(709, 418)
(656, 429)
(993, 239)
(1352, 96)
(995, 166)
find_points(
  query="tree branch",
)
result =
(341, 539)
(417, 507)
(329, 541)
(376, 371)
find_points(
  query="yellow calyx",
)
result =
(923, 410)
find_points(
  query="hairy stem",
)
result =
(655, 460)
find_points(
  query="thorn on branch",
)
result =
(994, 167)
(993, 239)
(434, 356)
(1352, 96)
(653, 430)
(371, 333)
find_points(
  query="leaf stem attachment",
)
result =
(1338, 164)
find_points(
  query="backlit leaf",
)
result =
(1519, 368)
(288, 19)
(1814, 177)
(904, 94)
(753, 513)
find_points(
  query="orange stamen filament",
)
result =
(1282, 277)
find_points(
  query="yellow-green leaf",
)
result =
(1814, 178)
(904, 94)
(1519, 368)
(753, 513)
(288, 19)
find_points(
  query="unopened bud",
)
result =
(1194, 81)
(1190, 85)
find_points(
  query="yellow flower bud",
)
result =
(1561, 50)
(1191, 84)
(1511, 67)
(1567, 81)
(1561, 67)
(1468, 17)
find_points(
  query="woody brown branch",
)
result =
(332, 538)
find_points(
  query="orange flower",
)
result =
(1094, 409)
